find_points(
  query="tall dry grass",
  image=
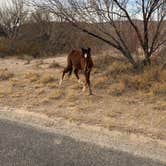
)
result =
(5, 74)
(120, 77)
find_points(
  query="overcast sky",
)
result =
(132, 2)
(1, 2)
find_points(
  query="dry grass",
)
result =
(146, 80)
(32, 76)
(120, 77)
(5, 88)
(53, 85)
(5, 45)
(71, 95)
(54, 64)
(55, 94)
(124, 99)
(117, 89)
(100, 81)
(46, 78)
(118, 67)
(5, 74)
(159, 89)
(41, 91)
(161, 105)
(102, 61)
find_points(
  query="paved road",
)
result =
(23, 145)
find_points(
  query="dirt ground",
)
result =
(34, 88)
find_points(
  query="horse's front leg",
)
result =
(87, 78)
(84, 87)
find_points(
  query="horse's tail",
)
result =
(69, 66)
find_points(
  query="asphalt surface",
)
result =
(23, 145)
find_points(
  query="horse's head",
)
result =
(87, 56)
(86, 53)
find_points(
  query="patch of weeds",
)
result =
(76, 86)
(119, 68)
(45, 79)
(52, 85)
(54, 65)
(55, 94)
(44, 101)
(100, 82)
(71, 96)
(32, 76)
(38, 86)
(117, 89)
(40, 91)
(160, 106)
(159, 89)
(5, 74)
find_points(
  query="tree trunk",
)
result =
(129, 57)
(147, 60)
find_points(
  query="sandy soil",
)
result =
(34, 88)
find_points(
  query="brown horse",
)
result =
(79, 60)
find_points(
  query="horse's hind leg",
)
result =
(77, 76)
(66, 70)
(70, 72)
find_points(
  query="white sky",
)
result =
(2, 1)
(139, 15)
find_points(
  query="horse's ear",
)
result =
(89, 49)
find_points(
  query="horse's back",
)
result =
(75, 54)
(75, 57)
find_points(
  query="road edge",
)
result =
(134, 144)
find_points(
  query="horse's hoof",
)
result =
(83, 89)
(80, 82)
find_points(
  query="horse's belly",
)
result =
(77, 66)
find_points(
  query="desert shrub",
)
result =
(54, 65)
(71, 95)
(76, 86)
(5, 74)
(53, 85)
(163, 76)
(159, 89)
(45, 78)
(144, 80)
(19, 47)
(100, 81)
(117, 89)
(102, 61)
(160, 105)
(121, 77)
(26, 47)
(32, 76)
(5, 45)
(138, 82)
(55, 94)
(119, 68)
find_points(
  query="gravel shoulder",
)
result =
(134, 144)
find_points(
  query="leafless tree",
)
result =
(108, 18)
(42, 20)
(12, 15)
